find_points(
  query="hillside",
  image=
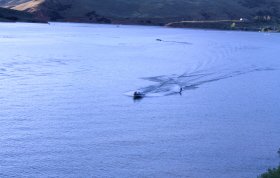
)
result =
(186, 9)
(9, 15)
(11, 3)
(152, 12)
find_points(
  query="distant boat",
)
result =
(138, 95)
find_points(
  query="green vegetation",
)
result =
(272, 173)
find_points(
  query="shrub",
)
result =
(272, 173)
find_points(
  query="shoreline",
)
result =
(168, 26)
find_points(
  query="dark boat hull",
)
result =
(138, 96)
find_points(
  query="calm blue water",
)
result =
(64, 109)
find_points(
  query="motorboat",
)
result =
(138, 95)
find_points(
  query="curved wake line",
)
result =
(172, 84)
(178, 42)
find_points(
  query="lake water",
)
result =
(66, 108)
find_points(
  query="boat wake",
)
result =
(173, 84)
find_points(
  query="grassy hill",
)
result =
(11, 3)
(153, 12)
(186, 9)
(8, 15)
